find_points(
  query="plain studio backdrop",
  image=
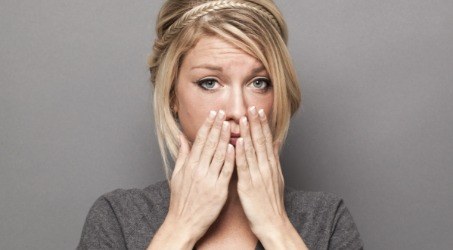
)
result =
(376, 125)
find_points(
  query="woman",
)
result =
(225, 90)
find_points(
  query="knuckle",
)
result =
(200, 139)
(242, 165)
(272, 162)
(194, 165)
(249, 151)
(208, 123)
(225, 136)
(261, 141)
(198, 175)
(267, 175)
(210, 144)
(267, 134)
(217, 124)
(227, 171)
(219, 157)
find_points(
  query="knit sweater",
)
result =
(128, 219)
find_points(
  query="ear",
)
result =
(174, 108)
(174, 105)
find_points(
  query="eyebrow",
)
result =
(207, 66)
(217, 68)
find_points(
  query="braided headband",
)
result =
(206, 8)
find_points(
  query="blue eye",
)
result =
(261, 84)
(207, 84)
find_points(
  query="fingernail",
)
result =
(244, 121)
(230, 147)
(221, 114)
(240, 141)
(261, 113)
(253, 110)
(212, 114)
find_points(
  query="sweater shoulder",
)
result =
(311, 201)
(156, 192)
(322, 219)
(135, 203)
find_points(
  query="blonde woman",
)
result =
(224, 92)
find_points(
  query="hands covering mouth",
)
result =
(200, 180)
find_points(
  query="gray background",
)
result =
(376, 126)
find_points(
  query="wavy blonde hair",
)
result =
(255, 26)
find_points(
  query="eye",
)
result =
(262, 84)
(208, 84)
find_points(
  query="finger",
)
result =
(273, 163)
(277, 159)
(273, 155)
(212, 141)
(184, 182)
(228, 167)
(200, 140)
(281, 178)
(221, 151)
(268, 135)
(241, 162)
(182, 154)
(249, 149)
(258, 139)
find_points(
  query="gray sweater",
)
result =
(128, 219)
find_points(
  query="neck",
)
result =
(232, 213)
(232, 219)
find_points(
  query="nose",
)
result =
(235, 107)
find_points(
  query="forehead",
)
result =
(216, 50)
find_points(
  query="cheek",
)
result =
(193, 111)
(268, 106)
(264, 102)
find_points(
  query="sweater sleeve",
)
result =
(344, 234)
(102, 229)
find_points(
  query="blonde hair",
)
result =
(255, 26)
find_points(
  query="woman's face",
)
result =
(216, 75)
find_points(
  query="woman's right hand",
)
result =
(199, 183)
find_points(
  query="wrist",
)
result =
(271, 229)
(269, 235)
(281, 235)
(172, 235)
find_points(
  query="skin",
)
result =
(217, 76)
(224, 195)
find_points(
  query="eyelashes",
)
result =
(260, 84)
(208, 84)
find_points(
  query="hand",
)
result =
(199, 183)
(260, 179)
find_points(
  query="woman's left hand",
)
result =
(260, 179)
(261, 184)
